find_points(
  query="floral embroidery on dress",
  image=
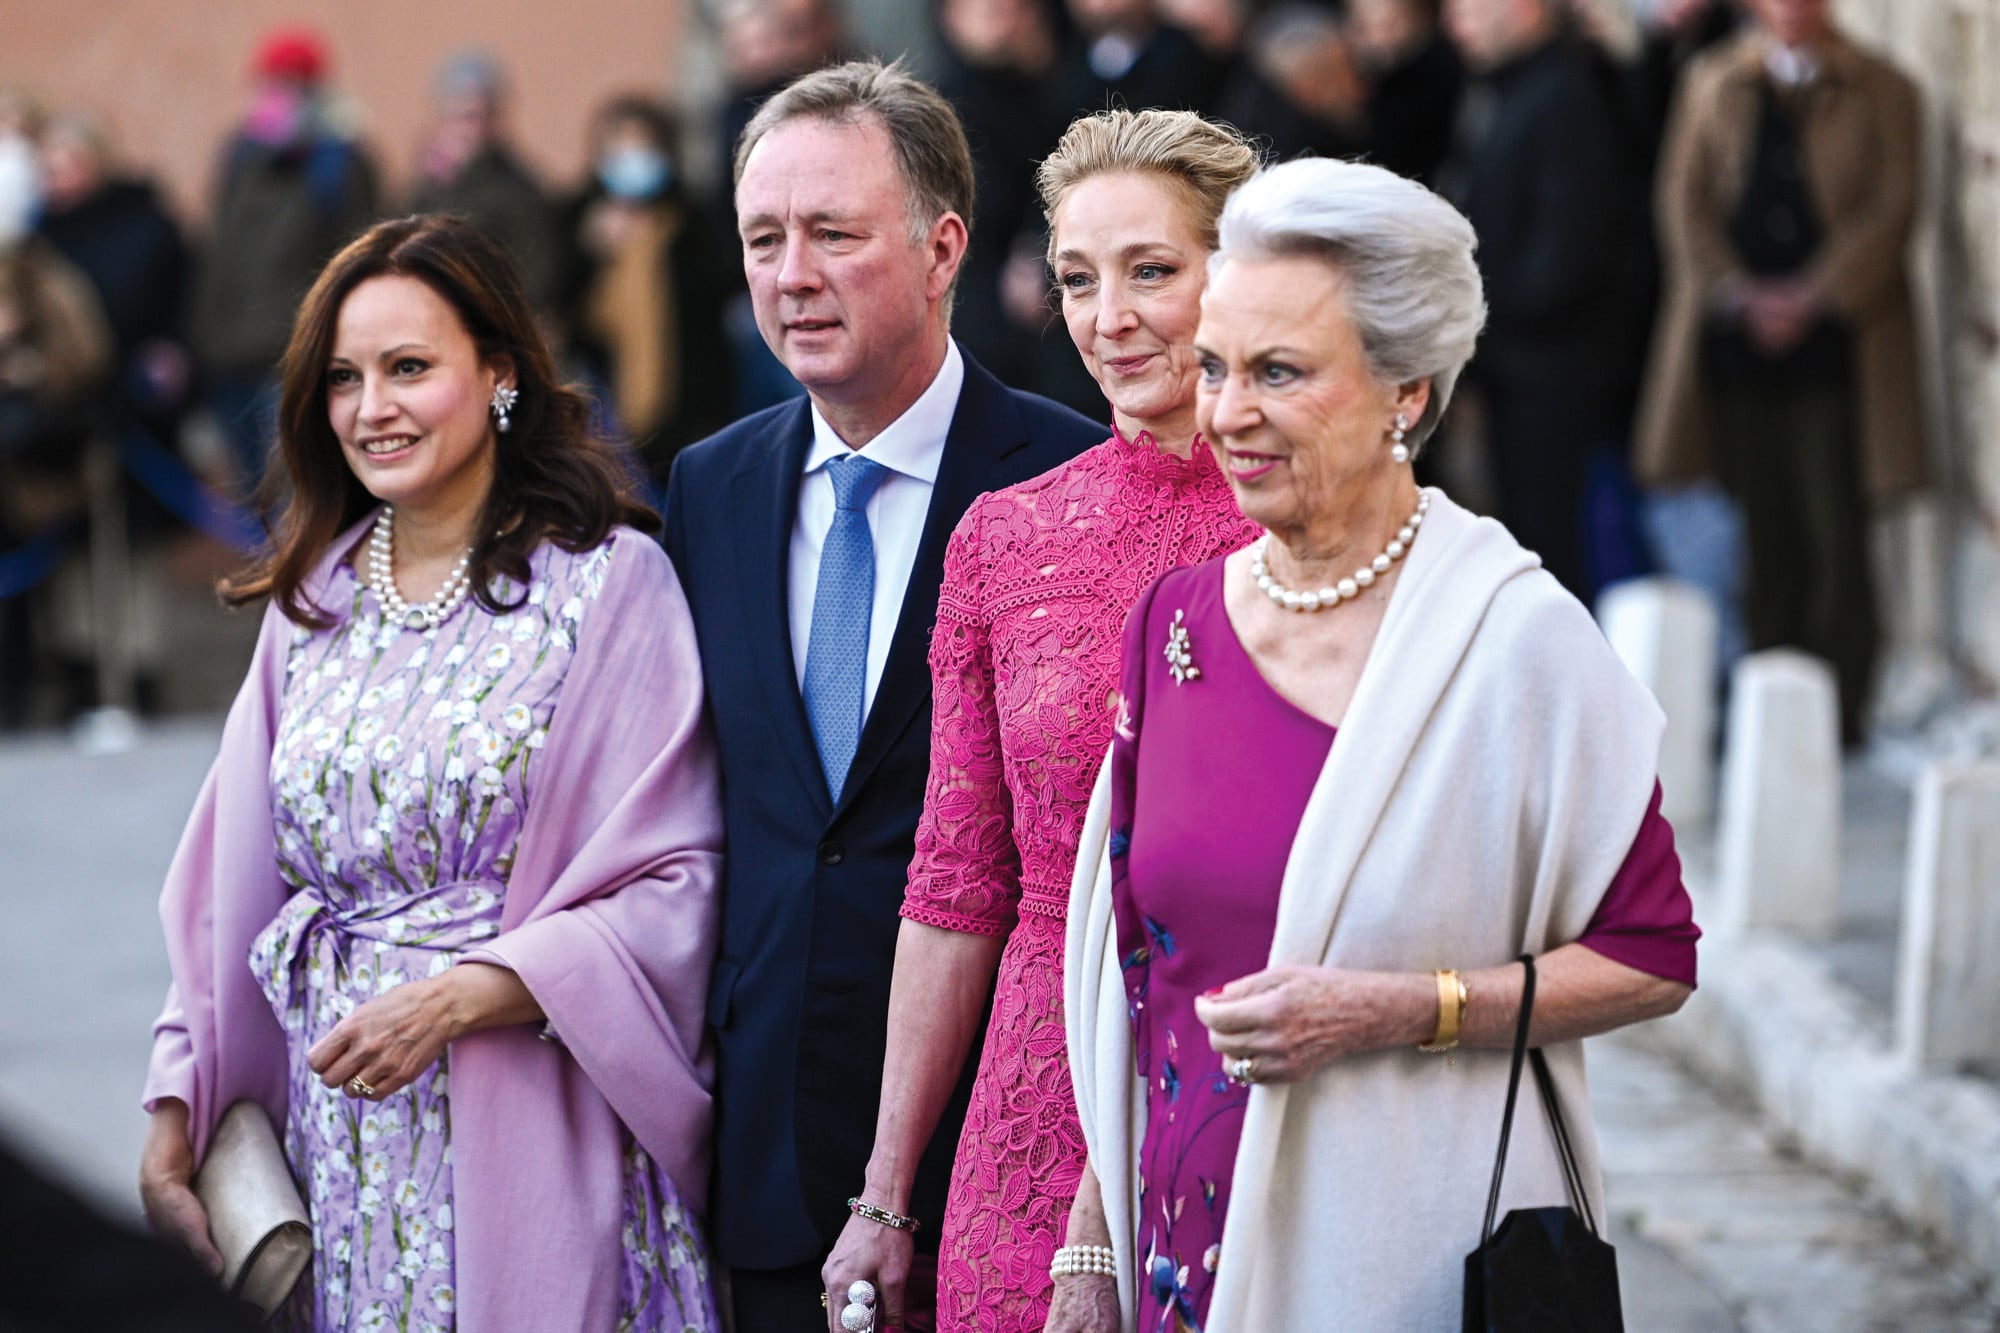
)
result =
(402, 770)
(1038, 581)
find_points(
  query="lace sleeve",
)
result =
(967, 871)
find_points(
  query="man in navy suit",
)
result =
(810, 539)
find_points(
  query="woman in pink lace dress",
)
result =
(1038, 580)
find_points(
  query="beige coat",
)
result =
(1861, 157)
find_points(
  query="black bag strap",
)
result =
(1572, 1177)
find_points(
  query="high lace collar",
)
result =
(1144, 456)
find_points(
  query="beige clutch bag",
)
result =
(255, 1215)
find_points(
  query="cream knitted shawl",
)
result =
(1486, 785)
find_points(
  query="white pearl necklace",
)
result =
(382, 573)
(1348, 588)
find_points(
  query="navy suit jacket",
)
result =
(812, 884)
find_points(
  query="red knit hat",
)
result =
(291, 53)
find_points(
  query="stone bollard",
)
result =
(1664, 631)
(1947, 987)
(1778, 844)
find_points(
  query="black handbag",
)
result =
(1545, 1270)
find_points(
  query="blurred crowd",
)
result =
(1674, 287)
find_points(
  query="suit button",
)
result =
(831, 853)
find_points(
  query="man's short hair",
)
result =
(932, 155)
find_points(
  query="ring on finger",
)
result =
(1243, 1070)
(356, 1086)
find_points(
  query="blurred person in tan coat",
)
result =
(1785, 361)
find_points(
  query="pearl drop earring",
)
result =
(503, 402)
(1397, 449)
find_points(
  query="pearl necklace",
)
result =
(382, 573)
(1348, 588)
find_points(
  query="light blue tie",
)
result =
(843, 606)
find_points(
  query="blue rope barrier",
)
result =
(28, 565)
(189, 498)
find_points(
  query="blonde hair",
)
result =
(1203, 159)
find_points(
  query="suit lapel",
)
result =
(766, 494)
(985, 428)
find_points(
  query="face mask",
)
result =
(635, 173)
(20, 187)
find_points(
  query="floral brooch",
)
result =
(1180, 657)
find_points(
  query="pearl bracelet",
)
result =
(1093, 1260)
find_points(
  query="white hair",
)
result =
(1405, 256)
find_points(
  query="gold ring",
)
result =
(358, 1088)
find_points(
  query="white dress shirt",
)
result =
(910, 449)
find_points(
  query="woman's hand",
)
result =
(869, 1252)
(389, 1041)
(1293, 1020)
(166, 1176)
(1084, 1303)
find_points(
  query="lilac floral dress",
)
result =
(402, 770)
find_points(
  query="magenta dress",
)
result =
(1037, 582)
(1201, 832)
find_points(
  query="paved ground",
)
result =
(1718, 1230)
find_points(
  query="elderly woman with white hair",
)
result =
(1361, 768)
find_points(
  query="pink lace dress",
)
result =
(1038, 579)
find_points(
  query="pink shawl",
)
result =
(610, 918)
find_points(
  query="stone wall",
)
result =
(1949, 551)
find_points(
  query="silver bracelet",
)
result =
(1093, 1260)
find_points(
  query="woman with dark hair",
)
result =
(407, 858)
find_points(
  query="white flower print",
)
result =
(369, 1201)
(572, 610)
(435, 685)
(432, 1120)
(538, 592)
(444, 1298)
(454, 769)
(539, 738)
(518, 718)
(391, 978)
(344, 697)
(313, 808)
(455, 656)
(489, 781)
(375, 1318)
(464, 711)
(444, 1211)
(352, 758)
(524, 630)
(440, 964)
(440, 1259)
(410, 1263)
(326, 740)
(367, 730)
(372, 699)
(442, 708)
(490, 748)
(389, 749)
(360, 647)
(407, 1195)
(498, 658)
